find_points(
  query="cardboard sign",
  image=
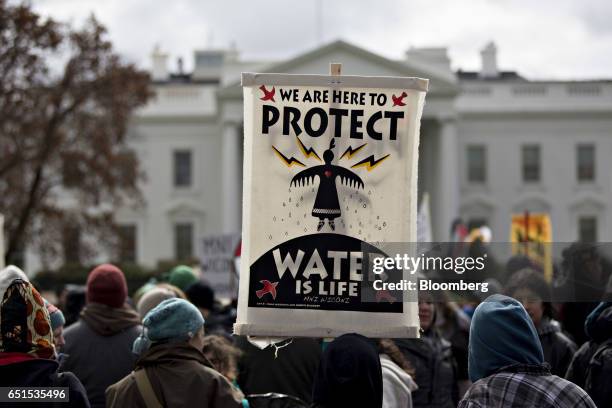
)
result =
(217, 253)
(330, 167)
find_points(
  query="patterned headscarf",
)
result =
(24, 322)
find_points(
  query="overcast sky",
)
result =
(543, 39)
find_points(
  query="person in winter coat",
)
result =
(172, 371)
(598, 328)
(349, 375)
(27, 353)
(99, 345)
(506, 362)
(432, 357)
(529, 287)
(288, 367)
(153, 298)
(397, 374)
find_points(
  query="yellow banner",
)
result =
(531, 235)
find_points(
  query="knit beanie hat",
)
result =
(153, 298)
(201, 295)
(173, 319)
(182, 276)
(55, 315)
(106, 285)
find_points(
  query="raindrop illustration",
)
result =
(378, 217)
(289, 190)
(305, 229)
(384, 224)
(282, 219)
(359, 232)
(289, 199)
(380, 228)
(286, 233)
(274, 218)
(347, 208)
(284, 205)
(269, 236)
(289, 214)
(297, 205)
(370, 192)
(351, 226)
(302, 198)
(364, 206)
(304, 215)
(355, 211)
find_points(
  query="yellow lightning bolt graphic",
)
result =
(288, 161)
(369, 163)
(307, 152)
(350, 152)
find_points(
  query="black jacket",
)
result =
(558, 348)
(291, 371)
(43, 373)
(436, 370)
(598, 328)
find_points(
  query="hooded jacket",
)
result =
(506, 362)
(557, 347)
(349, 374)
(180, 376)
(598, 328)
(99, 348)
(397, 384)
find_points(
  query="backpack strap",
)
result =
(146, 389)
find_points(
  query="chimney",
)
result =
(489, 61)
(433, 57)
(160, 65)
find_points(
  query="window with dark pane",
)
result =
(127, 243)
(531, 163)
(586, 162)
(476, 164)
(587, 229)
(183, 241)
(182, 168)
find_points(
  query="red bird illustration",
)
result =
(399, 100)
(268, 287)
(268, 95)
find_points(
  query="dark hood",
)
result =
(108, 321)
(349, 374)
(34, 372)
(598, 325)
(502, 334)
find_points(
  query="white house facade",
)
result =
(492, 143)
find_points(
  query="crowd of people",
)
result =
(170, 345)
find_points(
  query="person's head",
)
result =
(202, 296)
(25, 326)
(106, 285)
(501, 334)
(223, 355)
(153, 298)
(172, 321)
(427, 311)
(349, 374)
(57, 324)
(182, 276)
(529, 287)
(583, 262)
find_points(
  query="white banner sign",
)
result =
(330, 167)
(217, 254)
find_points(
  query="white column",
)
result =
(447, 205)
(231, 185)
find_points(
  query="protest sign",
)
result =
(330, 167)
(531, 235)
(217, 253)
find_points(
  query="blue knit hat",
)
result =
(173, 319)
(55, 315)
